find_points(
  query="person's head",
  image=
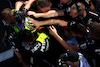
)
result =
(66, 33)
(65, 1)
(95, 29)
(71, 58)
(44, 5)
(8, 15)
(77, 29)
(26, 36)
(77, 9)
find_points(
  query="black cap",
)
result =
(70, 56)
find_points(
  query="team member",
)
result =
(8, 20)
(77, 10)
(88, 47)
(72, 58)
(62, 4)
(31, 46)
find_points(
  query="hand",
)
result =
(23, 14)
(20, 16)
(52, 30)
(25, 2)
(34, 23)
(31, 13)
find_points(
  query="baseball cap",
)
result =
(70, 56)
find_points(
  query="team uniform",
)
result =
(91, 16)
(89, 47)
(77, 59)
(32, 54)
(60, 6)
(36, 50)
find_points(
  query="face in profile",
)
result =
(73, 11)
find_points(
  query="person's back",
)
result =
(34, 45)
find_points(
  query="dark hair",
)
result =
(95, 29)
(26, 36)
(43, 3)
(78, 28)
(70, 56)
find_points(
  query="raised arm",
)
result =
(27, 4)
(51, 13)
(48, 22)
(54, 33)
(18, 5)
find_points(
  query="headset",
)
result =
(71, 23)
(79, 10)
(87, 31)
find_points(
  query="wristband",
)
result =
(17, 11)
(21, 60)
(25, 9)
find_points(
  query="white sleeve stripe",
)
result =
(93, 13)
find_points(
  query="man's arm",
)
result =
(18, 5)
(27, 4)
(20, 58)
(48, 22)
(54, 33)
(92, 6)
(51, 13)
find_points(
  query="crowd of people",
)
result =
(48, 33)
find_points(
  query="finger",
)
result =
(36, 28)
(52, 27)
(30, 19)
(28, 12)
(31, 24)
